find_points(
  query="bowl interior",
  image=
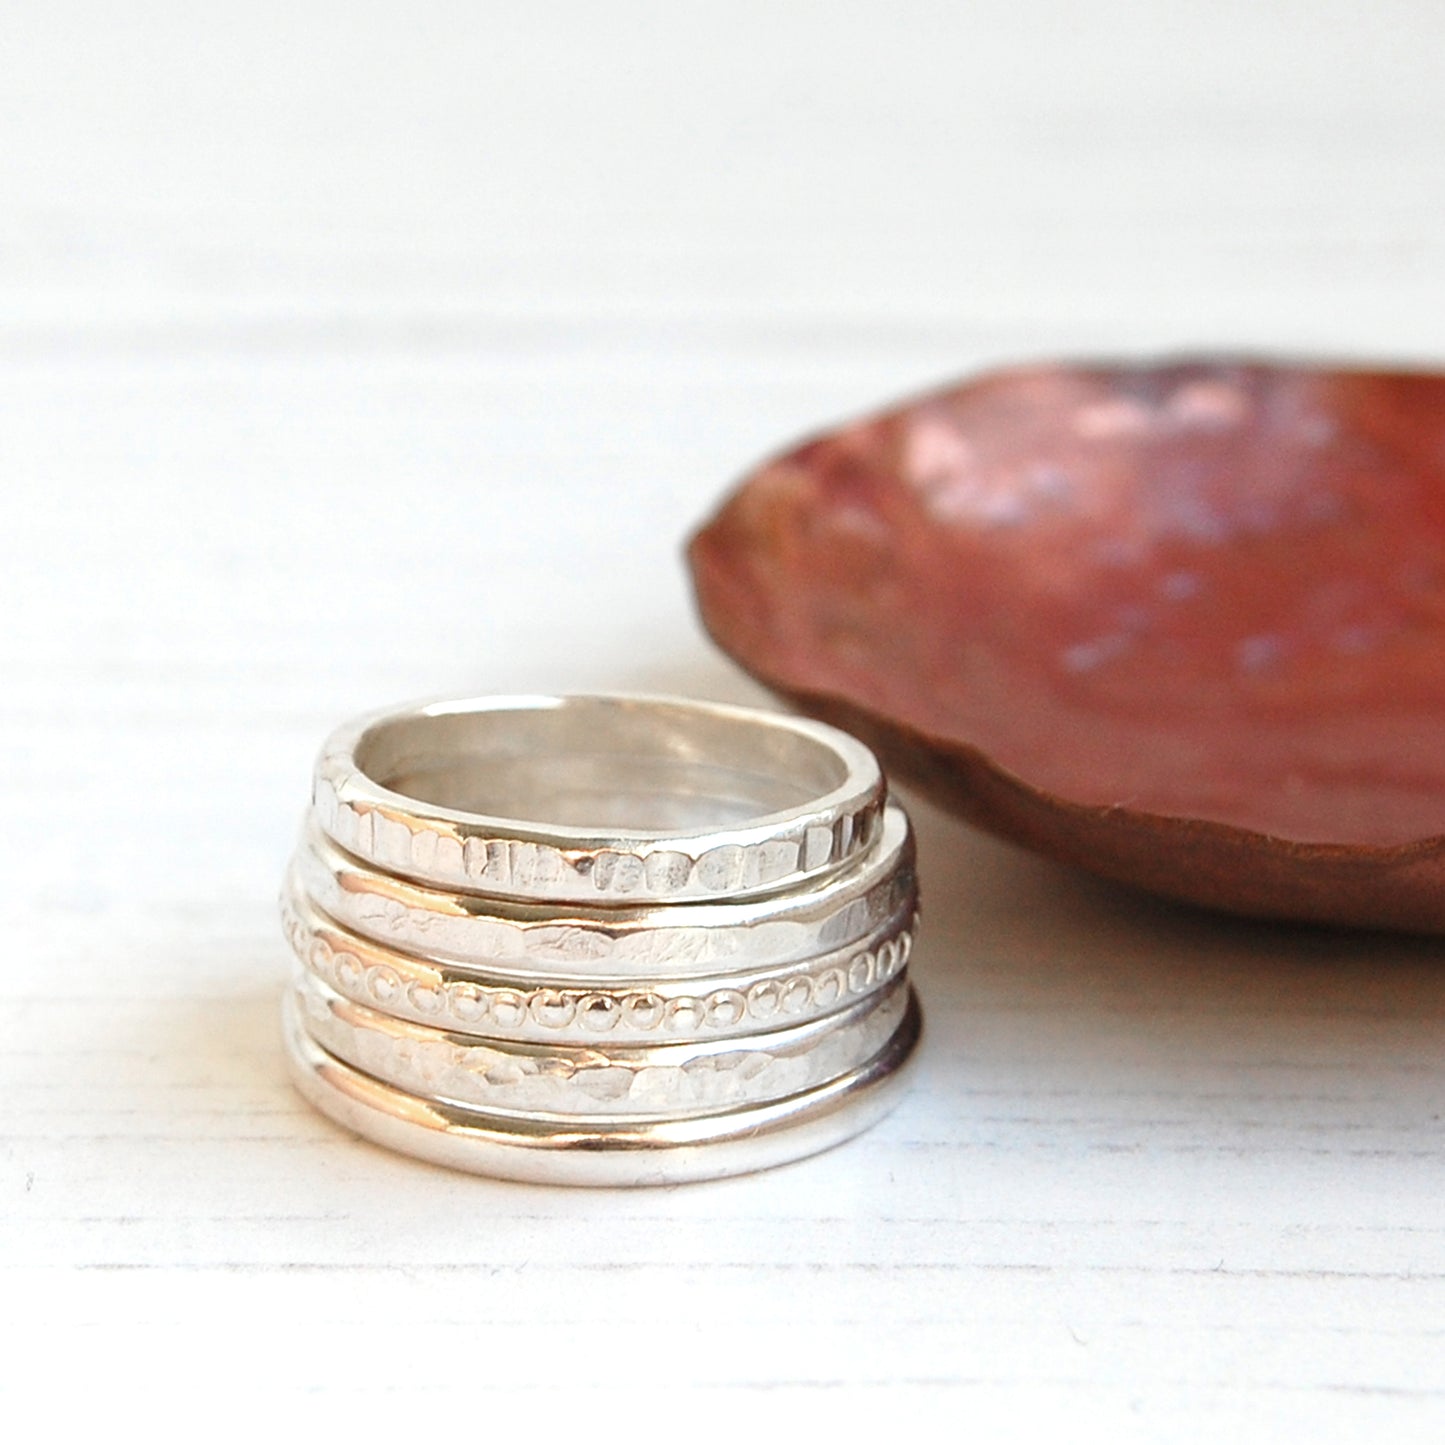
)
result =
(1210, 591)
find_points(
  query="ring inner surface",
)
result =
(600, 765)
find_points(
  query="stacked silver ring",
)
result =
(600, 940)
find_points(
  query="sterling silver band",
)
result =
(620, 942)
(596, 799)
(660, 1081)
(507, 1005)
(592, 1152)
(600, 940)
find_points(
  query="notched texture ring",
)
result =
(599, 799)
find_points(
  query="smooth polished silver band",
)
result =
(545, 1151)
(598, 799)
(500, 990)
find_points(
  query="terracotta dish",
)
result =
(1183, 625)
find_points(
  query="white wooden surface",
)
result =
(354, 352)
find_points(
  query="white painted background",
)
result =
(350, 352)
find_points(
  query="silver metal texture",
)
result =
(620, 942)
(650, 1152)
(504, 1004)
(659, 1080)
(607, 940)
(598, 799)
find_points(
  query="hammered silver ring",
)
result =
(600, 939)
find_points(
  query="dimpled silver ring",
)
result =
(600, 940)
(506, 1004)
(661, 1080)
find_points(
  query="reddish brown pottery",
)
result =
(1183, 625)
